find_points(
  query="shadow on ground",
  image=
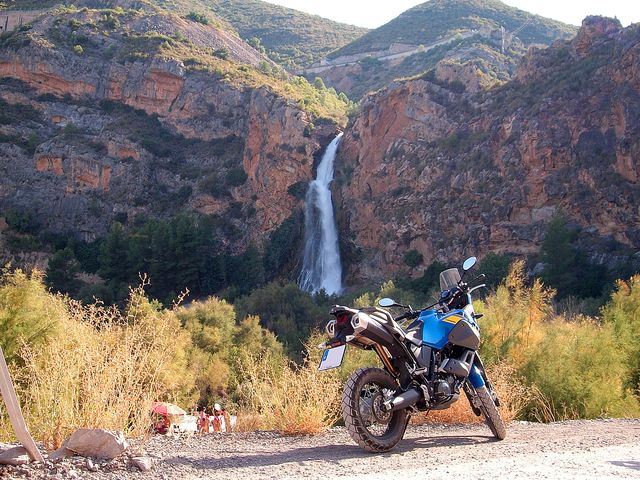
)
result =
(332, 454)
(632, 464)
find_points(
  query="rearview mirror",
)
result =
(386, 302)
(469, 263)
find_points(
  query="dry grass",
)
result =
(103, 370)
(295, 400)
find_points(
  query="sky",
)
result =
(373, 13)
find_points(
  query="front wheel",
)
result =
(491, 414)
(373, 428)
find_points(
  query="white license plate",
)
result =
(332, 358)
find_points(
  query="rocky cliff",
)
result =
(123, 114)
(449, 174)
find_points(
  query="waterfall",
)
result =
(321, 267)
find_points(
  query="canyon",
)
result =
(158, 115)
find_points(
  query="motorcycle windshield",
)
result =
(449, 278)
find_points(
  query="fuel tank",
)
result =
(456, 327)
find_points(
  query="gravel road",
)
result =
(589, 449)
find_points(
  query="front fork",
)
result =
(479, 378)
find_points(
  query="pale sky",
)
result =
(373, 13)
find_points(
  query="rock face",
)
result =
(451, 174)
(146, 135)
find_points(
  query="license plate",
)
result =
(332, 358)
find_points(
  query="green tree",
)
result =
(62, 270)
(285, 310)
(247, 270)
(559, 256)
(566, 268)
(495, 266)
(319, 85)
(113, 258)
(187, 254)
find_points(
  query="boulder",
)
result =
(14, 456)
(97, 443)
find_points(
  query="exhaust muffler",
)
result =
(405, 399)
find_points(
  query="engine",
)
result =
(446, 391)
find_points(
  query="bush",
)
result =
(623, 314)
(222, 53)
(198, 17)
(28, 313)
(413, 258)
(573, 368)
(236, 177)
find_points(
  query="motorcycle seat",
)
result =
(386, 320)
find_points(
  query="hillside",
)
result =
(293, 39)
(432, 20)
(427, 167)
(465, 35)
(130, 115)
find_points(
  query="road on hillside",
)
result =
(582, 449)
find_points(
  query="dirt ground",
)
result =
(589, 449)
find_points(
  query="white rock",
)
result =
(144, 464)
(14, 456)
(92, 467)
(97, 443)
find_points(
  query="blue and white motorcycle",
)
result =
(429, 356)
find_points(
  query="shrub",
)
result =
(222, 53)
(198, 17)
(236, 177)
(413, 258)
(623, 314)
(495, 266)
(573, 368)
(28, 313)
(98, 367)
(298, 189)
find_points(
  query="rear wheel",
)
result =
(373, 428)
(491, 413)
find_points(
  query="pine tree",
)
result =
(62, 270)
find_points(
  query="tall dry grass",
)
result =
(103, 369)
(279, 395)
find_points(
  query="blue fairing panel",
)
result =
(436, 331)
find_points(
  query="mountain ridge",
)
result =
(430, 168)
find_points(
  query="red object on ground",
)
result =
(164, 408)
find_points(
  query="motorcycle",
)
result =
(429, 356)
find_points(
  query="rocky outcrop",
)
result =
(450, 175)
(187, 138)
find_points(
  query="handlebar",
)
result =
(407, 316)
